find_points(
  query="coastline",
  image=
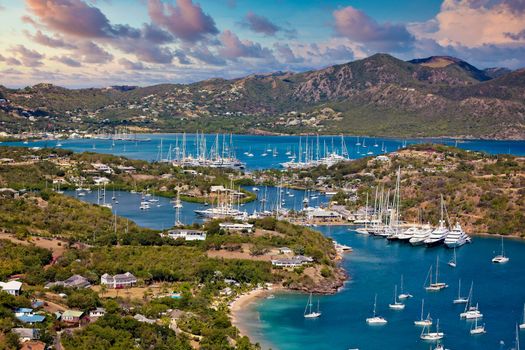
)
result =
(241, 304)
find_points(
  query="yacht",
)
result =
(471, 313)
(427, 322)
(144, 205)
(421, 235)
(477, 329)
(308, 313)
(454, 261)
(434, 286)
(376, 319)
(438, 236)
(432, 336)
(403, 295)
(460, 299)
(501, 259)
(456, 237)
(396, 305)
(407, 234)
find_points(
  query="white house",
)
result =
(285, 250)
(233, 226)
(122, 280)
(11, 287)
(188, 235)
(98, 312)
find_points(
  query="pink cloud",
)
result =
(233, 47)
(186, 20)
(358, 26)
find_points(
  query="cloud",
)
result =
(358, 26)
(45, 40)
(29, 58)
(10, 61)
(90, 52)
(233, 47)
(260, 24)
(477, 22)
(203, 54)
(130, 65)
(73, 17)
(68, 61)
(186, 20)
(285, 52)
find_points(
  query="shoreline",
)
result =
(241, 305)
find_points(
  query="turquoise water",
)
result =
(259, 145)
(161, 215)
(375, 266)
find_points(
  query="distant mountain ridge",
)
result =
(378, 95)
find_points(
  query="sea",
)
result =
(264, 152)
(374, 267)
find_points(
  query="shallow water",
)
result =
(376, 266)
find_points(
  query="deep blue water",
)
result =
(258, 145)
(163, 216)
(375, 266)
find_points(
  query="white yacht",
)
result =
(423, 321)
(403, 294)
(432, 336)
(454, 261)
(502, 258)
(407, 234)
(477, 329)
(308, 313)
(396, 305)
(471, 313)
(421, 235)
(434, 286)
(376, 319)
(460, 299)
(438, 236)
(456, 237)
(144, 205)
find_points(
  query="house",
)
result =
(142, 318)
(72, 316)
(26, 334)
(100, 180)
(322, 214)
(233, 226)
(217, 188)
(287, 262)
(75, 281)
(285, 250)
(98, 312)
(103, 168)
(126, 169)
(122, 280)
(26, 315)
(187, 234)
(11, 287)
(9, 193)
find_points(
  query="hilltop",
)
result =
(378, 95)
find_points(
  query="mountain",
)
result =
(378, 95)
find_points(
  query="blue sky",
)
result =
(103, 42)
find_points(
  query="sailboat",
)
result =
(396, 305)
(471, 312)
(522, 324)
(308, 307)
(178, 202)
(376, 319)
(434, 286)
(460, 299)
(501, 259)
(453, 262)
(403, 295)
(423, 321)
(477, 329)
(432, 336)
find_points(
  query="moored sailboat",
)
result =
(376, 319)
(308, 312)
(423, 321)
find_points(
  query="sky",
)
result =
(97, 43)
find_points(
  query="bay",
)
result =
(259, 145)
(375, 266)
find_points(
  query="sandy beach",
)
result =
(242, 302)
